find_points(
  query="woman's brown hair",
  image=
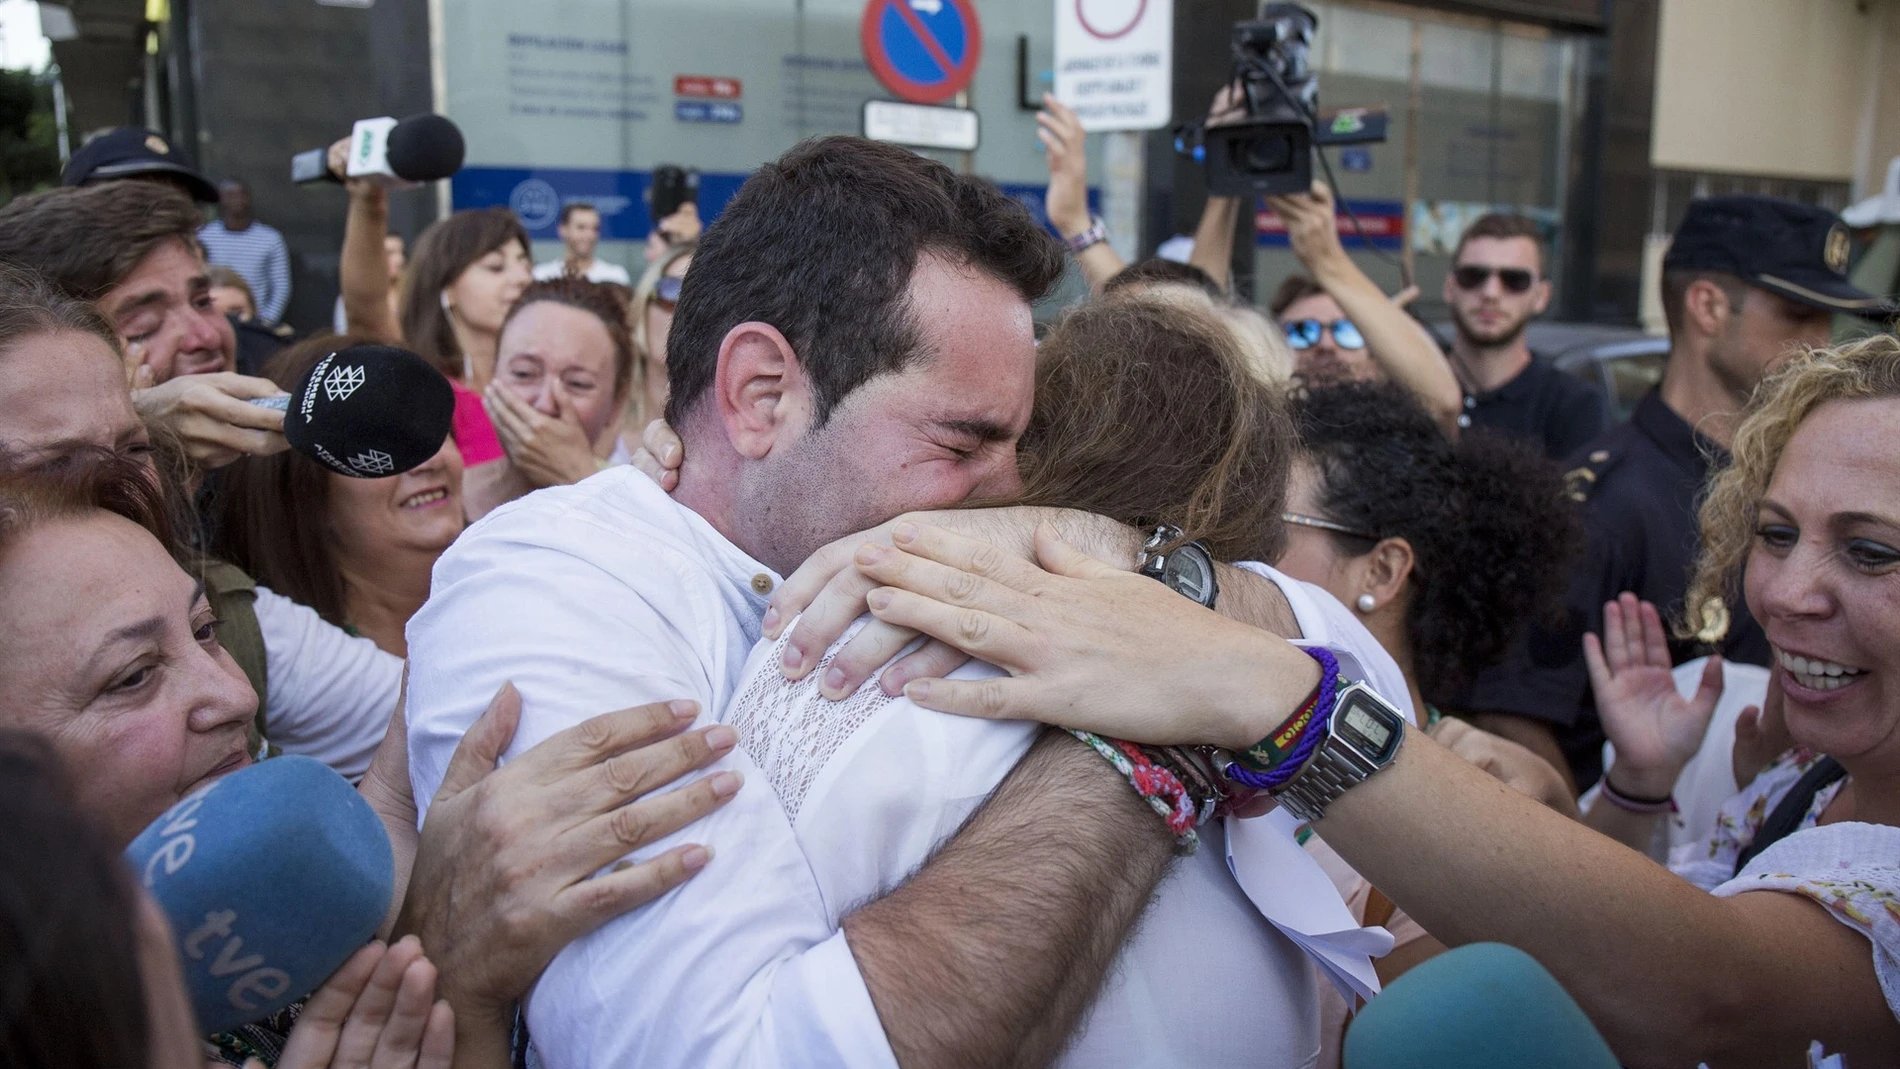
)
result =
(442, 253)
(603, 301)
(273, 512)
(1147, 412)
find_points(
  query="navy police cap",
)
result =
(135, 152)
(1795, 250)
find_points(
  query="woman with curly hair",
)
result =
(1446, 550)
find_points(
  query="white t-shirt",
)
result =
(329, 694)
(598, 271)
(599, 596)
(873, 785)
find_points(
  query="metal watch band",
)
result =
(1332, 772)
(1094, 235)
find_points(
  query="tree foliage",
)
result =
(29, 154)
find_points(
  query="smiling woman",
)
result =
(113, 652)
(358, 551)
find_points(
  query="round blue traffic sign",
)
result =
(925, 51)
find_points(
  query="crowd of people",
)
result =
(794, 655)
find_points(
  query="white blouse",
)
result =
(1851, 868)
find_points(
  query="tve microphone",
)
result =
(271, 877)
(1482, 1006)
(421, 148)
(368, 411)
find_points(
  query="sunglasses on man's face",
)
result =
(666, 292)
(1305, 333)
(1472, 276)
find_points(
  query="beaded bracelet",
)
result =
(1274, 761)
(1160, 788)
(1648, 807)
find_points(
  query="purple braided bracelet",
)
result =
(1283, 773)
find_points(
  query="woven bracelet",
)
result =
(1157, 786)
(1293, 744)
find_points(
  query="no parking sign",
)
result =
(925, 51)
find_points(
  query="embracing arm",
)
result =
(991, 953)
(1670, 973)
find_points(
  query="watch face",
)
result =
(1367, 726)
(1190, 573)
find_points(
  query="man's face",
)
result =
(166, 318)
(1492, 312)
(581, 233)
(941, 431)
(234, 201)
(64, 390)
(1763, 332)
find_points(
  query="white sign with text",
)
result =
(1115, 62)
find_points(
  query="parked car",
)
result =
(1625, 369)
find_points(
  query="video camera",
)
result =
(1272, 151)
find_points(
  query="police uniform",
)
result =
(1639, 485)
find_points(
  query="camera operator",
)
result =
(1324, 315)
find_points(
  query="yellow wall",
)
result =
(1778, 87)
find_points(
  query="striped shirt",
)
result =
(257, 253)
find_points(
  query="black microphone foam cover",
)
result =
(370, 411)
(426, 147)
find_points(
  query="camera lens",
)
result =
(1267, 154)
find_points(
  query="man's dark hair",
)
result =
(87, 239)
(1293, 288)
(821, 244)
(1503, 225)
(1675, 291)
(1157, 270)
(572, 206)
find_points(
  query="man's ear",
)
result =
(761, 389)
(1706, 307)
(1542, 300)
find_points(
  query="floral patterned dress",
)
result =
(1852, 869)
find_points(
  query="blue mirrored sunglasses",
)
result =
(667, 291)
(1305, 333)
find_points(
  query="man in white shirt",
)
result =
(580, 233)
(855, 341)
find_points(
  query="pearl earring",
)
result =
(1367, 603)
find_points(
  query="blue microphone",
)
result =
(1482, 1006)
(271, 877)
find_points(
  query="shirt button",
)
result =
(1464, 421)
(1470, 401)
(761, 584)
(1599, 456)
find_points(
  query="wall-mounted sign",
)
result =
(1115, 62)
(920, 125)
(925, 51)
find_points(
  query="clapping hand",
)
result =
(1654, 728)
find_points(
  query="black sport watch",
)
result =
(1187, 569)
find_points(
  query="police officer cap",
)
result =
(134, 152)
(1792, 249)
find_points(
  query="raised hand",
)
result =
(378, 1011)
(1761, 735)
(1655, 729)
(1067, 200)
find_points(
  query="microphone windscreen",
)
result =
(271, 877)
(1482, 1006)
(370, 411)
(426, 147)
